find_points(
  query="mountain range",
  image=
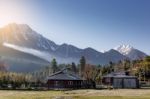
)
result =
(23, 49)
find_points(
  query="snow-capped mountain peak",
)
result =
(124, 49)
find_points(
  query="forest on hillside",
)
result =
(89, 72)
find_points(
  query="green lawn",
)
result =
(77, 94)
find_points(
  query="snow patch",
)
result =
(53, 48)
(44, 46)
(103, 51)
(124, 49)
(43, 55)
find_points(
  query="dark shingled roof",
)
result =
(63, 75)
(118, 75)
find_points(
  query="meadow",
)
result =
(77, 94)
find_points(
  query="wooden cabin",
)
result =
(120, 80)
(63, 80)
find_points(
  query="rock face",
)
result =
(27, 42)
(23, 35)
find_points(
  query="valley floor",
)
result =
(77, 94)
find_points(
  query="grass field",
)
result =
(77, 94)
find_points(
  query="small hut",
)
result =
(63, 80)
(120, 80)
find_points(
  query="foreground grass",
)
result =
(111, 97)
(77, 94)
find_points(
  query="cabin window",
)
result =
(70, 83)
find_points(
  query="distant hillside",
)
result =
(20, 61)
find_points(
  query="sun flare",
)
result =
(10, 13)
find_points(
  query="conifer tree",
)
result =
(54, 65)
(82, 65)
(74, 69)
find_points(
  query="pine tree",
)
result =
(54, 65)
(111, 65)
(82, 65)
(74, 69)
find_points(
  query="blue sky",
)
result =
(100, 24)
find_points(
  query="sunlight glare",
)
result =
(10, 13)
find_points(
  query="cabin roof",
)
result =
(63, 75)
(118, 75)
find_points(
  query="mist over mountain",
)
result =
(24, 41)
